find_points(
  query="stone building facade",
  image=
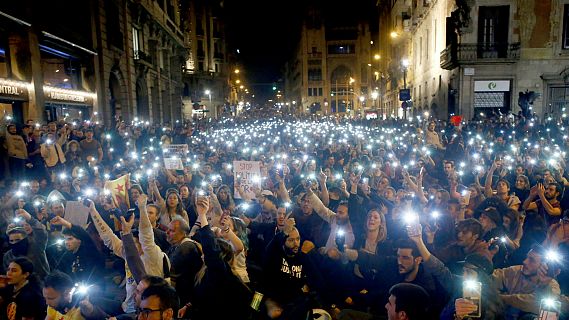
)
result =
(473, 57)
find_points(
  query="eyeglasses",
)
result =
(144, 312)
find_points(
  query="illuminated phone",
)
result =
(549, 309)
(472, 291)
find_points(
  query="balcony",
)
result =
(142, 57)
(479, 53)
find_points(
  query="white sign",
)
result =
(492, 86)
(468, 71)
(176, 149)
(249, 174)
(174, 163)
(76, 213)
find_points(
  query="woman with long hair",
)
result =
(170, 207)
(73, 155)
(225, 199)
(21, 292)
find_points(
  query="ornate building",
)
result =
(70, 59)
(332, 69)
(473, 57)
(206, 72)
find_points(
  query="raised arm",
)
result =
(109, 238)
(324, 189)
(324, 213)
(488, 192)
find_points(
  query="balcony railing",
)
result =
(142, 56)
(479, 53)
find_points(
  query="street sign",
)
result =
(404, 94)
(405, 105)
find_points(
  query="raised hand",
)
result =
(202, 205)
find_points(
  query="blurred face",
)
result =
(306, 206)
(449, 168)
(438, 198)
(15, 275)
(89, 135)
(151, 310)
(389, 194)
(506, 221)
(172, 200)
(520, 183)
(502, 187)
(152, 214)
(487, 223)
(15, 237)
(342, 213)
(406, 263)
(55, 299)
(531, 264)
(473, 192)
(466, 238)
(134, 194)
(373, 221)
(34, 187)
(184, 192)
(222, 194)
(72, 244)
(174, 234)
(58, 209)
(519, 170)
(12, 129)
(281, 216)
(551, 192)
(292, 243)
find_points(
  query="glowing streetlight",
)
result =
(236, 71)
(377, 56)
(238, 81)
(352, 80)
(394, 34)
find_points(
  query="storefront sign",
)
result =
(492, 86)
(72, 96)
(13, 89)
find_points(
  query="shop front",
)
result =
(14, 96)
(69, 105)
(491, 96)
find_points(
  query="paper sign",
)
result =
(173, 163)
(76, 213)
(176, 149)
(249, 173)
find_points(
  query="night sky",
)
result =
(267, 32)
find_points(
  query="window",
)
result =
(201, 51)
(137, 43)
(493, 29)
(320, 92)
(342, 49)
(310, 92)
(114, 34)
(558, 99)
(566, 26)
(315, 74)
(201, 66)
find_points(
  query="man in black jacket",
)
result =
(290, 273)
(185, 259)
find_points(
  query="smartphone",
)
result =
(549, 309)
(466, 196)
(472, 291)
(413, 230)
(256, 302)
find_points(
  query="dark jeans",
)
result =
(17, 167)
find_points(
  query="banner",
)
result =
(119, 191)
(249, 173)
(173, 155)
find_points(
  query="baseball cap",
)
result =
(479, 261)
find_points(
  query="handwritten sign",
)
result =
(249, 173)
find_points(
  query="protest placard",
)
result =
(173, 155)
(76, 213)
(249, 173)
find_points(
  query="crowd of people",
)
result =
(347, 218)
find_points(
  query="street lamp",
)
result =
(377, 56)
(236, 71)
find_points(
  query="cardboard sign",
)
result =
(76, 213)
(180, 150)
(249, 173)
